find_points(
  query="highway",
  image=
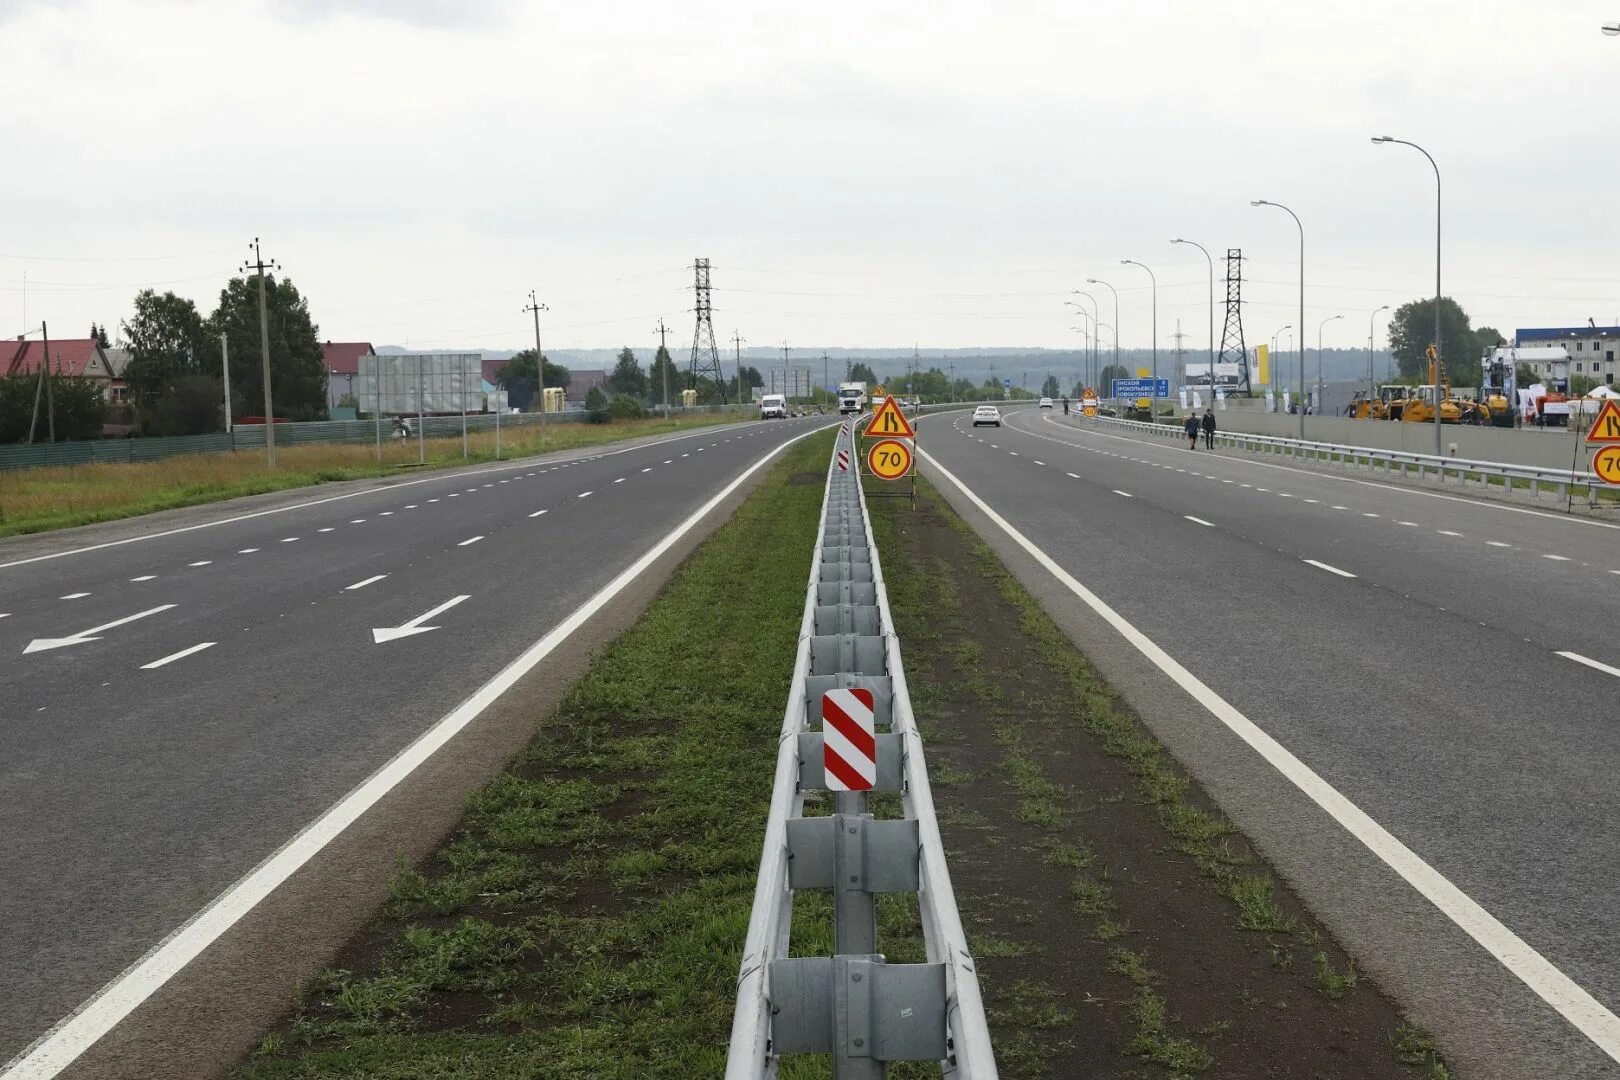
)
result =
(1409, 700)
(178, 705)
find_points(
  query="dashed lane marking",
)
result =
(372, 580)
(145, 577)
(1593, 664)
(247, 551)
(202, 562)
(74, 596)
(181, 655)
(1127, 494)
(1329, 569)
(470, 540)
(1199, 521)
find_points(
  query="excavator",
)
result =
(1419, 409)
(1388, 405)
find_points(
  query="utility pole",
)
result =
(260, 265)
(826, 372)
(225, 369)
(535, 307)
(785, 375)
(737, 339)
(663, 355)
(953, 383)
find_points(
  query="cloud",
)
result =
(435, 14)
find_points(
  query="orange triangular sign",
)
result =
(1606, 428)
(889, 422)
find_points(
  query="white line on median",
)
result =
(181, 655)
(71, 1037)
(471, 540)
(1589, 662)
(1199, 521)
(1329, 569)
(1558, 990)
(373, 579)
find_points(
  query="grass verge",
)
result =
(587, 918)
(38, 500)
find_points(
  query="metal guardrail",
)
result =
(853, 1005)
(1532, 476)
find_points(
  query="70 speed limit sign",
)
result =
(889, 459)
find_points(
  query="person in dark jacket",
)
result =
(1209, 429)
(1191, 428)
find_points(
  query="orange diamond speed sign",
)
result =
(1606, 463)
(1606, 428)
(889, 422)
(889, 459)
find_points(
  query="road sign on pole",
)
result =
(890, 459)
(1606, 428)
(1141, 388)
(1606, 463)
(889, 422)
(849, 739)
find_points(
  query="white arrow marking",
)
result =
(389, 633)
(42, 644)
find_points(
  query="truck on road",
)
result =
(851, 397)
(773, 407)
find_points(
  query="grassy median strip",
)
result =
(1123, 927)
(587, 919)
(38, 500)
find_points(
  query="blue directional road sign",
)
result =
(1139, 388)
(1006, 384)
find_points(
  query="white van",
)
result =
(773, 407)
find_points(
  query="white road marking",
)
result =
(1589, 662)
(75, 1034)
(668, 460)
(373, 579)
(537, 513)
(202, 562)
(247, 551)
(433, 500)
(620, 480)
(1073, 476)
(582, 494)
(74, 596)
(1039, 462)
(1307, 500)
(289, 539)
(686, 455)
(152, 577)
(1199, 521)
(1341, 508)
(355, 521)
(1408, 524)
(1558, 990)
(329, 528)
(380, 634)
(1014, 453)
(1329, 569)
(1557, 558)
(1127, 494)
(42, 644)
(472, 540)
(453, 494)
(1447, 532)
(647, 469)
(181, 655)
(1284, 495)
(1369, 513)
(1497, 543)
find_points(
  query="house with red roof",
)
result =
(82, 358)
(342, 360)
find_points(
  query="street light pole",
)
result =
(1153, 278)
(1280, 206)
(1439, 358)
(1211, 262)
(537, 307)
(1096, 313)
(1113, 330)
(1273, 364)
(1372, 387)
(1321, 384)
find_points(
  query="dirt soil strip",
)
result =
(1123, 927)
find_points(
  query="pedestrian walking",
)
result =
(1209, 429)
(1191, 428)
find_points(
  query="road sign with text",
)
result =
(1606, 463)
(890, 459)
(1141, 388)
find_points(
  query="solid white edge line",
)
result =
(181, 655)
(73, 1035)
(1329, 569)
(332, 499)
(1572, 1002)
(1589, 662)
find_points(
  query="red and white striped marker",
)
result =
(849, 739)
(843, 460)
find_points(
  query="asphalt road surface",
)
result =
(175, 709)
(1450, 666)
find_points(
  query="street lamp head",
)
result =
(1384, 308)
(1382, 139)
(1258, 202)
(1612, 29)
(1092, 281)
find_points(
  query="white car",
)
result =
(1046, 403)
(987, 414)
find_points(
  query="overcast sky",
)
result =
(860, 174)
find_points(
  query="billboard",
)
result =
(1228, 377)
(421, 382)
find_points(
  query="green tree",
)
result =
(77, 405)
(1488, 337)
(297, 372)
(1051, 387)
(596, 406)
(167, 342)
(662, 365)
(627, 377)
(520, 380)
(1105, 381)
(1581, 385)
(1411, 330)
(859, 372)
(98, 334)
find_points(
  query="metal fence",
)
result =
(1488, 474)
(251, 437)
(853, 1005)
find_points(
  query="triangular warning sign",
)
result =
(1606, 428)
(889, 422)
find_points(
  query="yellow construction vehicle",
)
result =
(1419, 409)
(1388, 405)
